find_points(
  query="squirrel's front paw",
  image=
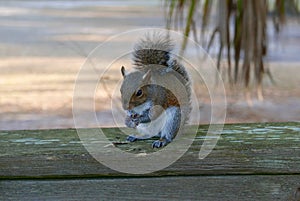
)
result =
(131, 138)
(159, 143)
(131, 122)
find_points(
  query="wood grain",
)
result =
(249, 162)
(208, 188)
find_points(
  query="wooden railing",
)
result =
(249, 162)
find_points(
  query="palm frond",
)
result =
(248, 39)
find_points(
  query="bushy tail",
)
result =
(153, 49)
(157, 49)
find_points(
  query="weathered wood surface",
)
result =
(250, 162)
(242, 149)
(207, 188)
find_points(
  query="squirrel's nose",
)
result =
(134, 115)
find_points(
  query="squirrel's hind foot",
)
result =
(156, 144)
(159, 143)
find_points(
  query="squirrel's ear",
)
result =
(147, 76)
(123, 71)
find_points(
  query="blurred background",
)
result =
(44, 43)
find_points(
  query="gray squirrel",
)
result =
(153, 109)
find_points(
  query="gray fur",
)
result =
(155, 52)
(153, 49)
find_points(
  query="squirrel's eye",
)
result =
(139, 93)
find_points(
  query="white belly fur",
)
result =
(154, 127)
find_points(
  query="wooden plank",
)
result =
(208, 188)
(272, 148)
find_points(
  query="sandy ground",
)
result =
(43, 45)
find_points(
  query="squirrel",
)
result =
(152, 109)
